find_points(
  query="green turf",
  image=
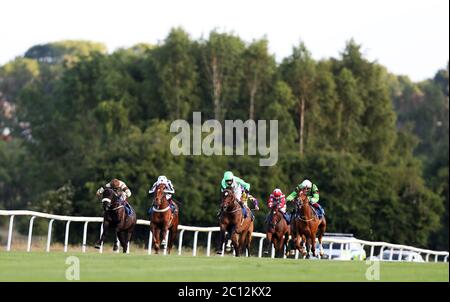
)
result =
(41, 266)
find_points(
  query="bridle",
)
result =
(300, 205)
(109, 201)
(156, 208)
(235, 203)
(274, 213)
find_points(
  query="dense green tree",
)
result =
(176, 70)
(222, 69)
(259, 68)
(299, 72)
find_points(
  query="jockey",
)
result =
(169, 190)
(121, 189)
(312, 193)
(277, 197)
(241, 190)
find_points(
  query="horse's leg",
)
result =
(322, 228)
(242, 242)
(278, 247)
(100, 241)
(221, 240)
(129, 234)
(172, 237)
(249, 241)
(155, 232)
(286, 242)
(308, 245)
(164, 235)
(269, 237)
(122, 235)
(115, 246)
(234, 240)
(297, 242)
(303, 246)
(313, 244)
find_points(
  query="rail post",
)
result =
(66, 236)
(260, 248)
(208, 244)
(49, 234)
(180, 242)
(194, 248)
(10, 233)
(83, 247)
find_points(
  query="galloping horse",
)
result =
(277, 231)
(305, 225)
(233, 222)
(162, 220)
(116, 217)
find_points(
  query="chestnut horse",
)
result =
(116, 217)
(305, 225)
(278, 231)
(162, 220)
(233, 222)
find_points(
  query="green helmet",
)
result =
(227, 177)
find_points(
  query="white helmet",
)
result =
(162, 179)
(306, 184)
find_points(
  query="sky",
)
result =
(409, 37)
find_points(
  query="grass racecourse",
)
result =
(41, 266)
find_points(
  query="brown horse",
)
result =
(162, 220)
(116, 217)
(233, 222)
(278, 231)
(305, 225)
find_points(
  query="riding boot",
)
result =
(287, 217)
(128, 209)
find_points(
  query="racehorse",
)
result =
(278, 231)
(233, 222)
(115, 217)
(162, 220)
(305, 225)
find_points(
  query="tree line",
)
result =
(375, 143)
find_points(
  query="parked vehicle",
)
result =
(408, 256)
(342, 251)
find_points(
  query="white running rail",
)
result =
(437, 255)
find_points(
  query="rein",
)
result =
(237, 207)
(161, 210)
(113, 209)
(116, 208)
(300, 205)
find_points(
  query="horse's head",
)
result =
(228, 199)
(274, 218)
(274, 207)
(110, 199)
(303, 196)
(160, 195)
